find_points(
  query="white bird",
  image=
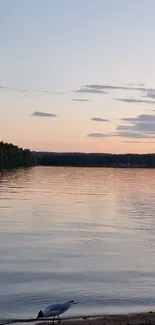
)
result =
(55, 310)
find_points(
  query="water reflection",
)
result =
(77, 233)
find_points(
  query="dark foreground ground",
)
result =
(128, 319)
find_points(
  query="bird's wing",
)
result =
(52, 310)
(56, 309)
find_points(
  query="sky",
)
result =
(78, 75)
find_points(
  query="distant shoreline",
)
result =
(13, 157)
(95, 160)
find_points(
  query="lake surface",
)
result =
(86, 234)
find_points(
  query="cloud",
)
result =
(80, 100)
(49, 92)
(131, 100)
(139, 118)
(3, 87)
(122, 134)
(42, 114)
(98, 119)
(140, 87)
(20, 90)
(137, 135)
(131, 84)
(142, 126)
(142, 142)
(97, 135)
(90, 91)
(103, 89)
(150, 95)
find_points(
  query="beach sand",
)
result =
(124, 319)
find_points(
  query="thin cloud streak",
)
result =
(140, 87)
(32, 90)
(97, 135)
(98, 119)
(80, 100)
(42, 114)
(122, 134)
(111, 87)
(131, 100)
(90, 91)
(136, 135)
(141, 142)
(103, 89)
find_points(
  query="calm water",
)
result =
(77, 233)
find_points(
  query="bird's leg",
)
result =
(53, 319)
(58, 319)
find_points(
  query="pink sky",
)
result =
(65, 63)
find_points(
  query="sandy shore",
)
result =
(124, 319)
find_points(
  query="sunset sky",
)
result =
(78, 75)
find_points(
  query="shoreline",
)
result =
(133, 318)
(144, 318)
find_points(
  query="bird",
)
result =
(55, 309)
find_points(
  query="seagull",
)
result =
(55, 310)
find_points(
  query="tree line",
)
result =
(96, 160)
(12, 156)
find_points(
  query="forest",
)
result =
(96, 160)
(12, 156)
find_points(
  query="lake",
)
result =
(86, 234)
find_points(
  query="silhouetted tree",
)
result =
(13, 157)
